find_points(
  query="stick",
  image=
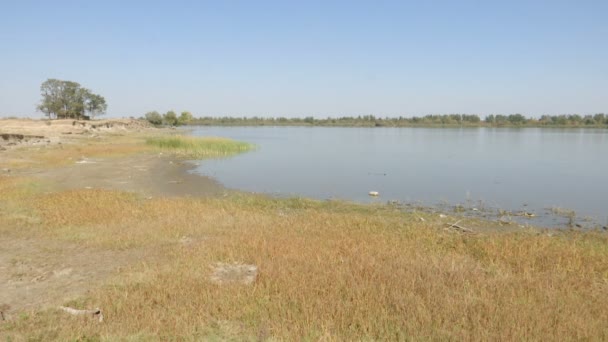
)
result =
(461, 228)
(3, 308)
(77, 312)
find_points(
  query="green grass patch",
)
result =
(197, 147)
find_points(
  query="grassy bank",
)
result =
(325, 270)
(196, 147)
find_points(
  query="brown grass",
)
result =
(327, 271)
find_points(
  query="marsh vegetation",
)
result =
(199, 147)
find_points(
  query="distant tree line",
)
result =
(67, 99)
(465, 120)
(170, 118)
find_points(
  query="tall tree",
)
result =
(184, 118)
(71, 100)
(154, 118)
(67, 99)
(95, 104)
(51, 91)
(170, 118)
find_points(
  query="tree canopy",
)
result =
(154, 118)
(170, 118)
(67, 99)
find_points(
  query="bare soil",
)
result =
(147, 174)
(37, 273)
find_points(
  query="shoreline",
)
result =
(158, 174)
(226, 264)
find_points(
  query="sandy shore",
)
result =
(147, 173)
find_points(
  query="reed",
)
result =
(199, 147)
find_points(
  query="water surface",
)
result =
(528, 169)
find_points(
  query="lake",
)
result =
(529, 170)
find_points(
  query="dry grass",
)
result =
(326, 271)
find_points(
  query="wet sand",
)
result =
(147, 174)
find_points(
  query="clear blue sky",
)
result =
(320, 58)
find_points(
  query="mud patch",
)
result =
(146, 174)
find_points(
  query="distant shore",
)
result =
(447, 121)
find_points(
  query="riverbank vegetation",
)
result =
(448, 120)
(199, 147)
(170, 118)
(325, 270)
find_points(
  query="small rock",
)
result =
(186, 241)
(234, 273)
(442, 216)
(63, 272)
(38, 278)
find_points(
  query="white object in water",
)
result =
(374, 193)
